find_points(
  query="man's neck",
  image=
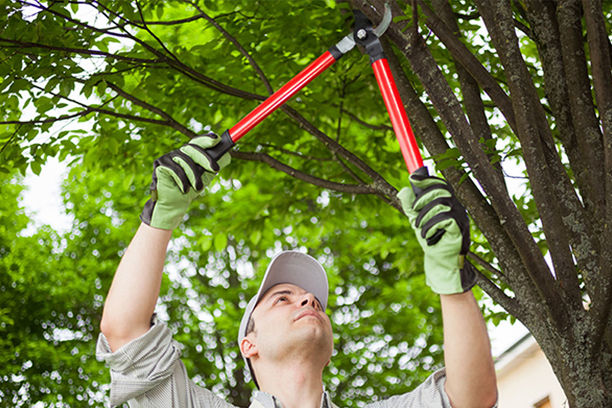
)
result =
(296, 385)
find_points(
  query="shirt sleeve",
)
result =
(429, 394)
(148, 372)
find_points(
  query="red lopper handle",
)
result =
(273, 102)
(281, 96)
(397, 114)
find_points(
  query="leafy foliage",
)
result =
(510, 99)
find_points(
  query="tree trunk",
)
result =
(585, 377)
(563, 300)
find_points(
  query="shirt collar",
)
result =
(262, 399)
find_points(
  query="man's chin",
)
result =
(313, 334)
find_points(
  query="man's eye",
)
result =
(281, 299)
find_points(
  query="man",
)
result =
(285, 336)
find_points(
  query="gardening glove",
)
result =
(442, 228)
(178, 178)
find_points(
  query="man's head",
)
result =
(286, 318)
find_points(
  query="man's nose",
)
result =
(309, 300)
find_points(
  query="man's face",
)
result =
(289, 322)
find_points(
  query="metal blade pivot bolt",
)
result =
(361, 34)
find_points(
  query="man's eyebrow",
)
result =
(280, 292)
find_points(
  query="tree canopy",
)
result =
(499, 93)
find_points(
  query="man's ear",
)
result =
(248, 348)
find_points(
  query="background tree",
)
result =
(48, 313)
(495, 90)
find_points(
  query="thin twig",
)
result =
(366, 124)
(275, 164)
(10, 138)
(110, 112)
(174, 123)
(147, 29)
(295, 153)
(510, 304)
(85, 51)
(485, 264)
(47, 120)
(328, 142)
(77, 22)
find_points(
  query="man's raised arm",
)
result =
(178, 178)
(442, 228)
(133, 294)
(470, 371)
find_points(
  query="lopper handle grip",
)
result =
(421, 171)
(224, 146)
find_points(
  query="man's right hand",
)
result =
(178, 178)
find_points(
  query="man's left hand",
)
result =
(442, 228)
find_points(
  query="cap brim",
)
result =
(298, 269)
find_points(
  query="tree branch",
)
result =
(463, 56)
(470, 90)
(66, 17)
(467, 192)
(178, 65)
(173, 63)
(554, 195)
(148, 30)
(380, 185)
(295, 153)
(169, 119)
(366, 124)
(498, 295)
(83, 51)
(275, 164)
(589, 141)
(541, 17)
(46, 120)
(177, 22)
(112, 113)
(10, 139)
(475, 257)
(100, 6)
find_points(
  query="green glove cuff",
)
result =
(442, 229)
(179, 177)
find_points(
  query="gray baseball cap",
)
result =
(292, 267)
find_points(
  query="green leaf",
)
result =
(220, 242)
(36, 167)
(206, 243)
(256, 236)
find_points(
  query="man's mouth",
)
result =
(306, 314)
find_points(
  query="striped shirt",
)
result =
(148, 372)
